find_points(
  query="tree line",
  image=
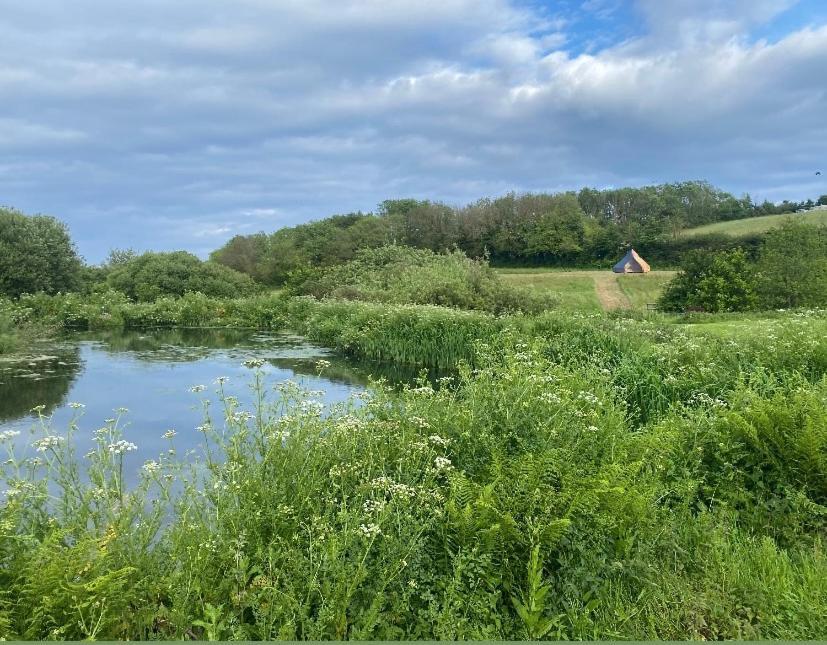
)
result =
(589, 227)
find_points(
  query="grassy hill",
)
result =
(754, 225)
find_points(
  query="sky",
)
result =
(176, 125)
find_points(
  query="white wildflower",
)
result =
(442, 463)
(44, 444)
(322, 364)
(402, 490)
(6, 435)
(370, 530)
(198, 388)
(253, 363)
(419, 421)
(151, 467)
(169, 434)
(437, 440)
(221, 380)
(77, 406)
(373, 506)
(120, 447)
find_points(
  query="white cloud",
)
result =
(216, 117)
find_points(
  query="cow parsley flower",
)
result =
(151, 467)
(370, 530)
(120, 447)
(44, 444)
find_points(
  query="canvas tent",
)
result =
(631, 263)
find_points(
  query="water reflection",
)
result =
(150, 372)
(40, 378)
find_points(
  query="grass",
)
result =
(592, 477)
(642, 289)
(756, 225)
(574, 289)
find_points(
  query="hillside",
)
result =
(755, 225)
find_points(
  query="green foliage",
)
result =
(403, 275)
(789, 272)
(713, 282)
(36, 254)
(792, 266)
(518, 501)
(563, 229)
(152, 275)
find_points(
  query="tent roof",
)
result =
(633, 261)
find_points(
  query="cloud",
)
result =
(162, 125)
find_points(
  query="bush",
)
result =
(36, 254)
(712, 282)
(147, 277)
(404, 275)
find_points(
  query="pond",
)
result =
(151, 373)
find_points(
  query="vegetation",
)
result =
(575, 289)
(645, 288)
(630, 475)
(587, 228)
(588, 478)
(404, 275)
(790, 271)
(36, 254)
(149, 276)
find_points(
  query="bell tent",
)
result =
(631, 263)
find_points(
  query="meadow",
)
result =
(576, 475)
(588, 290)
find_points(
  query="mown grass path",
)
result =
(608, 291)
(580, 290)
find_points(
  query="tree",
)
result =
(36, 254)
(792, 266)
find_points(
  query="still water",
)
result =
(150, 373)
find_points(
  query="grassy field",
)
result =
(753, 225)
(578, 290)
(575, 288)
(645, 288)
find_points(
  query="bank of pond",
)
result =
(571, 476)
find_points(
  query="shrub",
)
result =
(152, 275)
(404, 275)
(712, 282)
